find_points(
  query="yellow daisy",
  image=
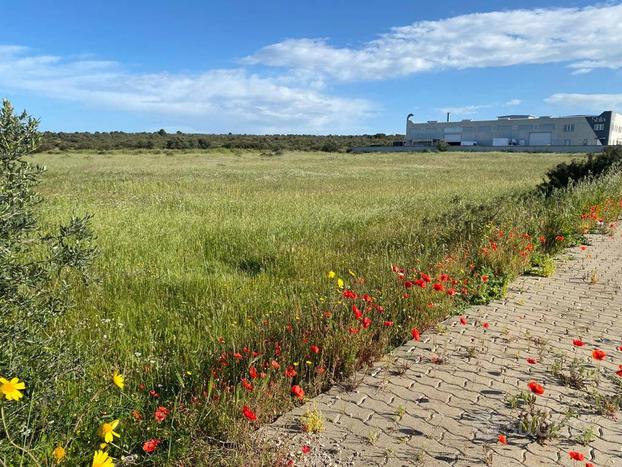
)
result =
(101, 459)
(118, 379)
(331, 274)
(59, 454)
(107, 431)
(11, 389)
(340, 283)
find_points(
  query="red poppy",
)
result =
(237, 355)
(598, 354)
(150, 445)
(589, 464)
(451, 292)
(414, 332)
(485, 278)
(578, 342)
(290, 372)
(388, 323)
(248, 413)
(463, 320)
(298, 391)
(576, 455)
(408, 284)
(353, 330)
(246, 384)
(619, 372)
(438, 287)
(536, 388)
(405, 295)
(328, 314)
(275, 364)
(349, 294)
(502, 439)
(358, 314)
(160, 414)
(583, 247)
(154, 394)
(314, 349)
(137, 416)
(486, 324)
(559, 238)
(532, 361)
(366, 322)
(619, 348)
(252, 371)
(306, 449)
(420, 283)
(367, 298)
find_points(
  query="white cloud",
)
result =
(216, 100)
(512, 102)
(583, 38)
(594, 102)
(464, 110)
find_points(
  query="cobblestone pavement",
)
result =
(413, 409)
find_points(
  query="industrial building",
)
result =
(520, 130)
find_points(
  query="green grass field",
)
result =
(207, 253)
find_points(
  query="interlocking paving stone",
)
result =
(452, 413)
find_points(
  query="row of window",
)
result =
(599, 127)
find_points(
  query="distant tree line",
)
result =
(106, 141)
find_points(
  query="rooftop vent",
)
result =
(432, 121)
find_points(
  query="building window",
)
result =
(599, 127)
(568, 128)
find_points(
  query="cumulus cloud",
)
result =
(512, 102)
(582, 38)
(595, 102)
(233, 99)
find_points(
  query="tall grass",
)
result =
(215, 266)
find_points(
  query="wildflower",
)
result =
(340, 283)
(306, 449)
(405, 295)
(59, 454)
(136, 415)
(366, 322)
(598, 354)
(151, 445)
(367, 298)
(358, 314)
(349, 294)
(485, 278)
(107, 431)
(438, 287)
(532, 361)
(536, 388)
(118, 379)
(463, 320)
(246, 384)
(619, 348)
(248, 413)
(619, 372)
(328, 314)
(298, 392)
(486, 324)
(153, 393)
(425, 277)
(589, 464)
(388, 323)
(160, 414)
(314, 349)
(414, 332)
(353, 330)
(221, 340)
(101, 459)
(583, 247)
(275, 365)
(408, 284)
(290, 372)
(578, 342)
(12, 389)
(237, 356)
(351, 272)
(502, 439)
(331, 274)
(320, 370)
(451, 292)
(575, 455)
(559, 238)
(308, 362)
(252, 372)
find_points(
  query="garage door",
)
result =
(540, 139)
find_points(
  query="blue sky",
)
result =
(316, 66)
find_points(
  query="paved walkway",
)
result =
(411, 409)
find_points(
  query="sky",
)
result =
(305, 67)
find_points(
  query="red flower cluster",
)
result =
(536, 388)
(160, 414)
(151, 445)
(248, 413)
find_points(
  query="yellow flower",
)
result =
(352, 273)
(331, 274)
(107, 431)
(59, 454)
(309, 362)
(103, 445)
(101, 459)
(11, 389)
(118, 379)
(340, 283)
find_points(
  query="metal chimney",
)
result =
(448, 117)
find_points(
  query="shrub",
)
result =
(564, 174)
(442, 145)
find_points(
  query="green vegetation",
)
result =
(161, 140)
(214, 294)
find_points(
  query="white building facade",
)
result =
(520, 130)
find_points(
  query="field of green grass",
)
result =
(212, 278)
(207, 253)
